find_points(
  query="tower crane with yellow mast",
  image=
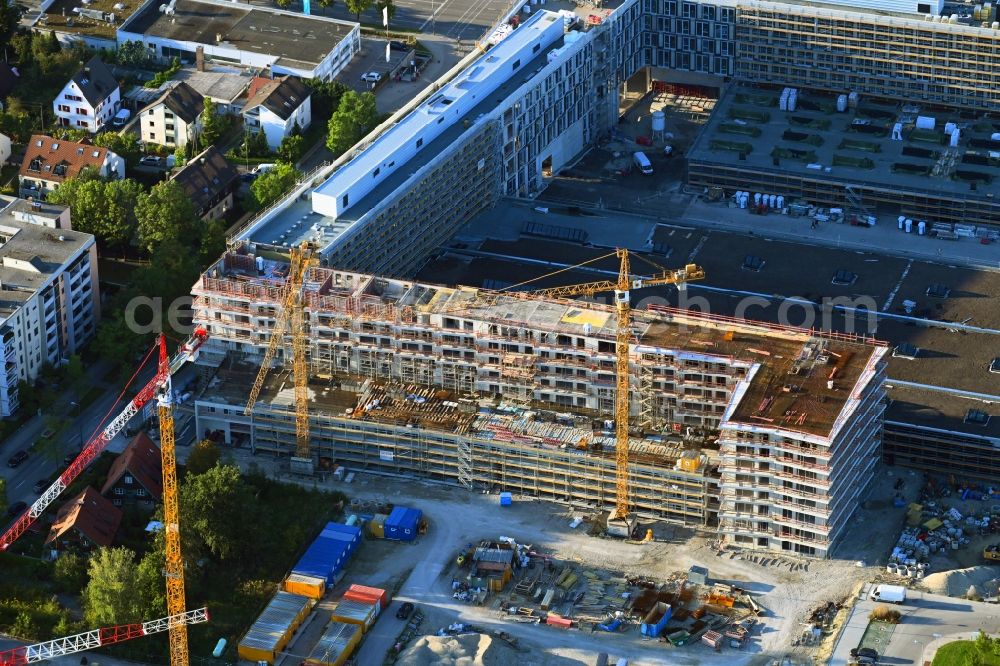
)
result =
(622, 288)
(292, 315)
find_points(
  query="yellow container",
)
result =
(376, 526)
(307, 586)
(354, 612)
(274, 628)
(336, 645)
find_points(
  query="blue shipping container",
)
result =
(325, 558)
(506, 499)
(656, 620)
(349, 534)
(401, 525)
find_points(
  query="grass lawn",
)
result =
(960, 653)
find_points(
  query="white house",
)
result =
(276, 106)
(90, 99)
(48, 163)
(4, 148)
(173, 119)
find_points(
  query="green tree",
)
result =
(70, 573)
(106, 209)
(24, 626)
(325, 96)
(216, 507)
(213, 242)
(325, 4)
(354, 118)
(172, 269)
(74, 368)
(356, 7)
(270, 186)
(16, 125)
(165, 213)
(10, 16)
(115, 341)
(132, 54)
(110, 596)
(291, 148)
(120, 144)
(212, 124)
(149, 580)
(283, 4)
(204, 456)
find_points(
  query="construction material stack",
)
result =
(336, 645)
(274, 629)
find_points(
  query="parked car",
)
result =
(263, 168)
(42, 484)
(404, 610)
(151, 160)
(371, 77)
(16, 509)
(121, 118)
(16, 459)
(864, 655)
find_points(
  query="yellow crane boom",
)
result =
(623, 309)
(292, 313)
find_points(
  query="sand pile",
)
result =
(956, 582)
(464, 650)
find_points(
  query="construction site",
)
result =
(511, 391)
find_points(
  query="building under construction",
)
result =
(509, 391)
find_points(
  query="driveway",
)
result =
(926, 617)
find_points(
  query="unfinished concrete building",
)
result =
(510, 391)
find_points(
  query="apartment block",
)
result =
(49, 299)
(500, 372)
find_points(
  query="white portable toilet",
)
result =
(781, 201)
(841, 103)
(901, 219)
(921, 227)
(955, 136)
(756, 198)
(773, 203)
(909, 225)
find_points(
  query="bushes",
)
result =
(165, 75)
(885, 614)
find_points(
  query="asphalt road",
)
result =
(926, 617)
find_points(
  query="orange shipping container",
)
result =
(308, 586)
(376, 592)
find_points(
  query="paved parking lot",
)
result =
(926, 617)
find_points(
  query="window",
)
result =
(140, 492)
(82, 123)
(420, 142)
(64, 108)
(517, 63)
(119, 491)
(345, 201)
(128, 479)
(152, 124)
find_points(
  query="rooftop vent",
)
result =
(939, 291)
(976, 417)
(844, 278)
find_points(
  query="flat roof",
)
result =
(683, 334)
(943, 410)
(820, 136)
(295, 39)
(330, 229)
(214, 83)
(29, 255)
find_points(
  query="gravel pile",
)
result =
(464, 650)
(955, 583)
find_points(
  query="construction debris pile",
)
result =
(933, 527)
(568, 596)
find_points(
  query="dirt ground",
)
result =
(787, 587)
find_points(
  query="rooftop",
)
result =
(221, 85)
(205, 176)
(748, 130)
(29, 256)
(184, 101)
(944, 410)
(92, 515)
(280, 96)
(21, 209)
(294, 39)
(790, 357)
(298, 221)
(57, 160)
(141, 459)
(100, 20)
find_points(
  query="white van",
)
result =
(894, 594)
(641, 161)
(263, 168)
